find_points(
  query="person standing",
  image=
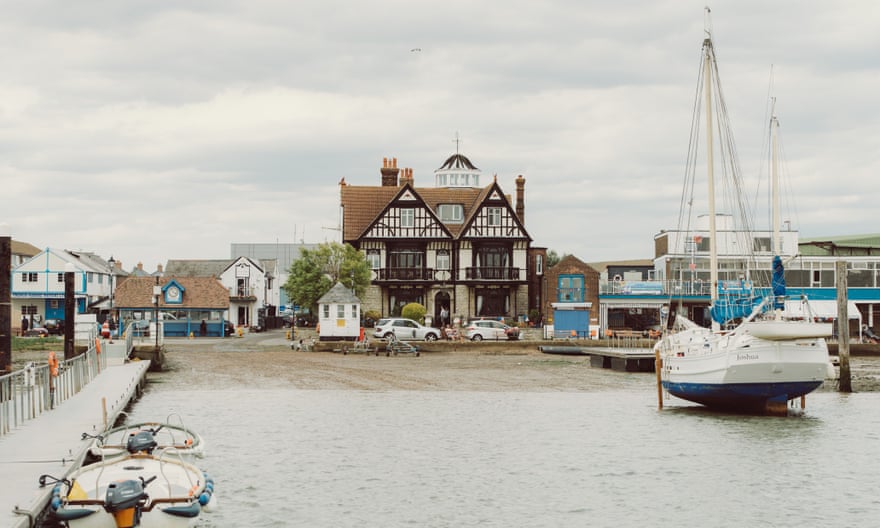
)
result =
(24, 325)
(444, 317)
(203, 328)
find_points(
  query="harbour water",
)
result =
(340, 458)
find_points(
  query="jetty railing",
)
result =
(33, 390)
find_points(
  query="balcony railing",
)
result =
(492, 273)
(404, 274)
(243, 292)
(570, 295)
(668, 287)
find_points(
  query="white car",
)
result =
(489, 329)
(405, 329)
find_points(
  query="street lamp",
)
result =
(112, 263)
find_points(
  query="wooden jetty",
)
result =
(621, 359)
(52, 443)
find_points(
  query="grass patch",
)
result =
(36, 344)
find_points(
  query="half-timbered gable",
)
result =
(494, 218)
(406, 216)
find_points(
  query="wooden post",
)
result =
(845, 384)
(69, 311)
(658, 367)
(5, 300)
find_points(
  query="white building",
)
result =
(37, 288)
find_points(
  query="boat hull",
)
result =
(176, 493)
(740, 371)
(740, 396)
(112, 443)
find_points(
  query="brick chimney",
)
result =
(520, 198)
(158, 269)
(407, 177)
(389, 172)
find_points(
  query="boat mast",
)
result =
(774, 127)
(710, 162)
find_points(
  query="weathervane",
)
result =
(457, 142)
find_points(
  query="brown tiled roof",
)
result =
(199, 292)
(24, 249)
(362, 204)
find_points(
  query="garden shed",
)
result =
(339, 315)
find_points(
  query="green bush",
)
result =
(414, 311)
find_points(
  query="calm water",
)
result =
(438, 459)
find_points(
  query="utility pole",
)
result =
(843, 327)
(5, 300)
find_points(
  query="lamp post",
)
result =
(112, 263)
(157, 291)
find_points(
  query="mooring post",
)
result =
(658, 367)
(69, 310)
(5, 300)
(845, 384)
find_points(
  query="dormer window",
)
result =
(451, 213)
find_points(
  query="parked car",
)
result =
(229, 328)
(405, 329)
(36, 332)
(481, 329)
(54, 326)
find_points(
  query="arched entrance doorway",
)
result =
(442, 306)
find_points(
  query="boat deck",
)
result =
(52, 442)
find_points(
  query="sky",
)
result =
(149, 130)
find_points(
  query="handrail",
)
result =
(31, 391)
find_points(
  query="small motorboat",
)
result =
(144, 487)
(114, 442)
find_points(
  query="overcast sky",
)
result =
(152, 130)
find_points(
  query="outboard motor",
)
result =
(141, 441)
(124, 500)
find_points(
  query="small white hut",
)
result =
(339, 314)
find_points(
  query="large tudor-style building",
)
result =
(456, 245)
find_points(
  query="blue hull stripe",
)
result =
(740, 395)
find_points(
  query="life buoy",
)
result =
(53, 365)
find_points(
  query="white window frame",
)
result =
(493, 216)
(374, 258)
(407, 217)
(443, 259)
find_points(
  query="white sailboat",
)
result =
(768, 357)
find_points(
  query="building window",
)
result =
(374, 259)
(30, 276)
(326, 308)
(407, 218)
(354, 311)
(451, 213)
(539, 264)
(340, 311)
(442, 259)
(761, 244)
(60, 277)
(494, 216)
(570, 288)
(91, 277)
(406, 258)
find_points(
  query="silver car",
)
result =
(405, 330)
(489, 329)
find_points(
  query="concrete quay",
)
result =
(52, 442)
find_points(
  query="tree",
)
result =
(317, 270)
(553, 258)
